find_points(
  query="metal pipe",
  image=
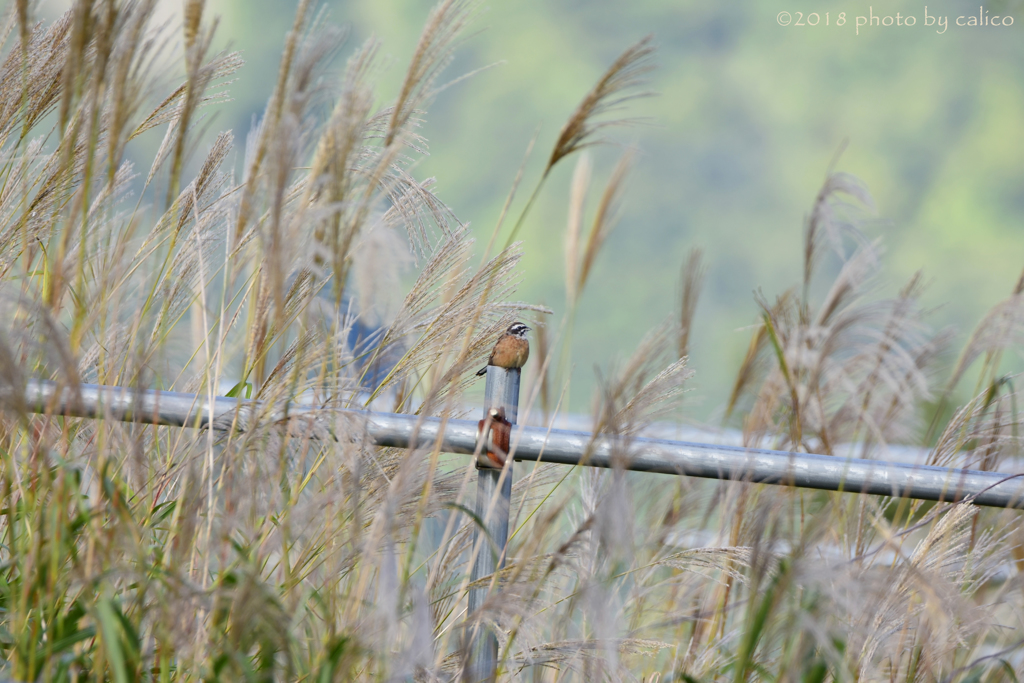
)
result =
(804, 470)
(493, 499)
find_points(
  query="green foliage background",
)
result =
(748, 117)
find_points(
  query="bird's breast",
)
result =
(511, 352)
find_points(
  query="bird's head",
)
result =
(517, 330)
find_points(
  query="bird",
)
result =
(494, 450)
(511, 350)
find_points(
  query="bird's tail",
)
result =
(482, 371)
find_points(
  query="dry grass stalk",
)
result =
(604, 219)
(608, 94)
(577, 201)
(693, 275)
(433, 53)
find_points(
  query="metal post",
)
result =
(492, 506)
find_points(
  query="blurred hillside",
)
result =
(749, 115)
